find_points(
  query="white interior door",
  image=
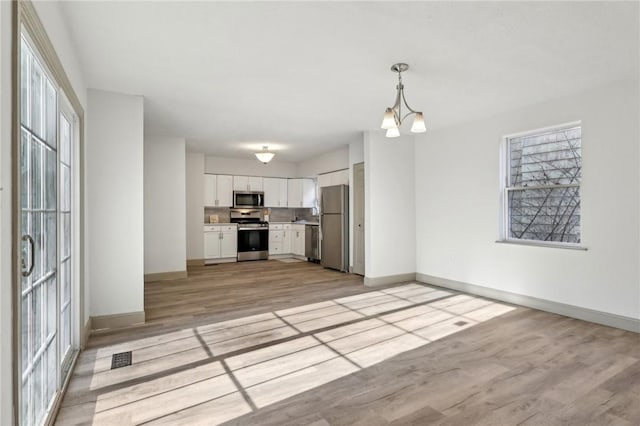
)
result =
(358, 218)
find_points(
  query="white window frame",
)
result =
(505, 176)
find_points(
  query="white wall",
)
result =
(195, 205)
(6, 325)
(115, 214)
(457, 188)
(324, 163)
(389, 205)
(249, 167)
(165, 239)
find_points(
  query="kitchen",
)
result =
(260, 218)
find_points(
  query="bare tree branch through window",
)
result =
(543, 188)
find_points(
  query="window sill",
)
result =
(543, 244)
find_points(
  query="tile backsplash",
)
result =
(275, 214)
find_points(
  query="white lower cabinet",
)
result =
(286, 238)
(220, 242)
(297, 240)
(280, 238)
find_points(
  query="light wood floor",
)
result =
(273, 343)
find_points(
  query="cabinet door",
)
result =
(324, 180)
(224, 191)
(341, 177)
(300, 239)
(286, 241)
(271, 188)
(240, 183)
(283, 197)
(210, 190)
(308, 193)
(294, 193)
(212, 245)
(229, 244)
(255, 183)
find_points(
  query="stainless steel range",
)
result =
(253, 234)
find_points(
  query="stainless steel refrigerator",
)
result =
(334, 227)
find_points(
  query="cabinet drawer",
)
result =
(275, 236)
(212, 228)
(286, 226)
(228, 228)
(275, 226)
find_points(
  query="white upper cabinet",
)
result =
(224, 190)
(210, 190)
(301, 193)
(308, 193)
(218, 191)
(247, 183)
(294, 188)
(341, 177)
(275, 192)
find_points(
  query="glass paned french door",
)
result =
(46, 207)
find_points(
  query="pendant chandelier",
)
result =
(264, 156)
(393, 117)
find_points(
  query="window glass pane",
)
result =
(65, 188)
(51, 184)
(26, 396)
(51, 108)
(25, 74)
(65, 330)
(36, 174)
(65, 140)
(37, 82)
(38, 239)
(25, 171)
(66, 235)
(36, 320)
(65, 282)
(52, 306)
(50, 178)
(26, 337)
(52, 369)
(51, 242)
(551, 158)
(549, 214)
(37, 390)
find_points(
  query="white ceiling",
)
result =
(309, 77)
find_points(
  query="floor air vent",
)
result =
(121, 359)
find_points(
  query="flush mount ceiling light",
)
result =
(393, 118)
(264, 156)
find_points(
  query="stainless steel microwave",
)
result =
(248, 199)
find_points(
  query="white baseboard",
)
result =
(117, 320)
(161, 276)
(222, 260)
(389, 279)
(585, 314)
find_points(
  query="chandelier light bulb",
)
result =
(393, 132)
(389, 120)
(418, 125)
